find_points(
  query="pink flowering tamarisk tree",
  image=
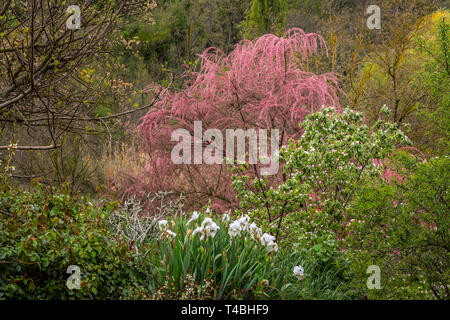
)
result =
(261, 84)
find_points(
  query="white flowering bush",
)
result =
(322, 172)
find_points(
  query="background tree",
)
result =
(434, 75)
(55, 81)
(409, 75)
(265, 16)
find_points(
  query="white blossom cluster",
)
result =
(12, 146)
(268, 241)
(242, 226)
(208, 229)
(9, 167)
(237, 228)
(164, 228)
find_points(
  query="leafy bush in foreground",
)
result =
(43, 232)
(404, 230)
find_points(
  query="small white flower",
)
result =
(234, 229)
(207, 222)
(195, 216)
(170, 233)
(243, 221)
(255, 232)
(197, 230)
(226, 217)
(299, 272)
(253, 226)
(162, 225)
(211, 230)
(266, 239)
(272, 247)
(12, 146)
(208, 229)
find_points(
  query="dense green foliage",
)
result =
(406, 230)
(435, 77)
(349, 192)
(43, 232)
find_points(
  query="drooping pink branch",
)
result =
(265, 83)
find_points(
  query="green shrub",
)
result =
(404, 230)
(43, 232)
